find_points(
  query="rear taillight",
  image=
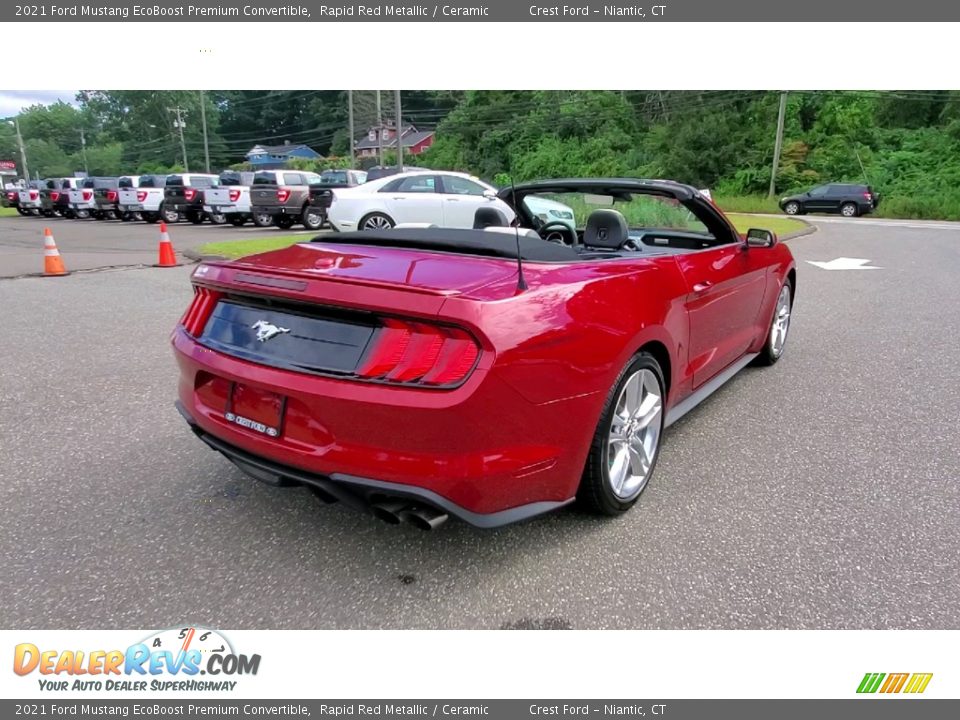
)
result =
(87, 194)
(195, 319)
(189, 194)
(11, 196)
(34, 194)
(54, 196)
(412, 352)
(868, 196)
(111, 195)
(141, 195)
(283, 194)
(234, 195)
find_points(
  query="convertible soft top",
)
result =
(468, 242)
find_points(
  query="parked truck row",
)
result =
(281, 198)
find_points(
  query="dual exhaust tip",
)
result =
(395, 512)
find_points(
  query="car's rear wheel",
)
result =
(83, 214)
(262, 219)
(626, 443)
(151, 217)
(22, 211)
(792, 208)
(218, 218)
(312, 218)
(376, 221)
(284, 222)
(194, 217)
(849, 210)
(169, 216)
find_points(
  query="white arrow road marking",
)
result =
(845, 263)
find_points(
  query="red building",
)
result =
(413, 141)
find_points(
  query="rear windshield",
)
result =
(175, 180)
(125, 182)
(101, 183)
(231, 179)
(204, 182)
(331, 177)
(265, 178)
(152, 181)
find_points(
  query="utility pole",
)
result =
(23, 150)
(350, 121)
(203, 120)
(778, 144)
(379, 131)
(83, 149)
(178, 123)
(396, 98)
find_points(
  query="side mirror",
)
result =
(490, 194)
(760, 238)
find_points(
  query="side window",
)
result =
(819, 191)
(417, 184)
(292, 179)
(454, 185)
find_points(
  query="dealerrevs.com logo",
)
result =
(910, 683)
(169, 660)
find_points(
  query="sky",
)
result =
(13, 101)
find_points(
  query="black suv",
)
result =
(846, 199)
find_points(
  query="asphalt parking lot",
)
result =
(821, 493)
(97, 244)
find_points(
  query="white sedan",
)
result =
(445, 199)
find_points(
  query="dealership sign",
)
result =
(8, 165)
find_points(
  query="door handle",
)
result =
(399, 198)
(702, 286)
(453, 199)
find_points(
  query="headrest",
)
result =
(488, 216)
(605, 229)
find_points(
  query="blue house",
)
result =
(272, 157)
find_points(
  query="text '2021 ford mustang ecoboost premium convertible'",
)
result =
(493, 373)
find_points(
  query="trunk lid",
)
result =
(422, 272)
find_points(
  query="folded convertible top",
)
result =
(465, 242)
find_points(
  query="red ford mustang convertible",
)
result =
(493, 373)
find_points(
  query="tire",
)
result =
(151, 217)
(793, 208)
(194, 217)
(312, 218)
(849, 210)
(169, 216)
(776, 340)
(376, 221)
(82, 214)
(237, 220)
(218, 218)
(22, 211)
(126, 217)
(284, 222)
(634, 412)
(109, 214)
(263, 220)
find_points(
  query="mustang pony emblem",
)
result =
(266, 330)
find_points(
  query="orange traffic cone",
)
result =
(52, 262)
(166, 258)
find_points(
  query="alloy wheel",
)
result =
(377, 222)
(781, 322)
(634, 434)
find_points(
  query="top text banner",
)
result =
(491, 11)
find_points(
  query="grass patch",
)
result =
(8, 212)
(239, 248)
(782, 226)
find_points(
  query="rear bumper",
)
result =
(275, 210)
(480, 452)
(361, 493)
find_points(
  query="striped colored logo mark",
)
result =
(913, 683)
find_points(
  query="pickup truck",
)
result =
(184, 194)
(55, 197)
(321, 194)
(128, 182)
(282, 198)
(28, 198)
(147, 199)
(83, 202)
(231, 201)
